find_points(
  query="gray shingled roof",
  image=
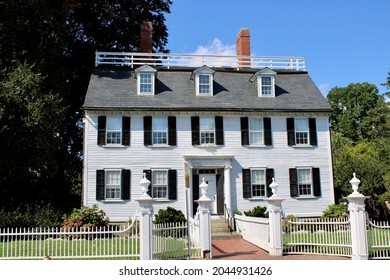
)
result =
(116, 89)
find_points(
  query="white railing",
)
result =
(111, 242)
(254, 230)
(195, 230)
(379, 239)
(317, 236)
(171, 241)
(192, 60)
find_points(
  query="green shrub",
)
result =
(257, 211)
(30, 215)
(169, 215)
(335, 211)
(85, 217)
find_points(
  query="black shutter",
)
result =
(195, 130)
(195, 191)
(100, 184)
(312, 131)
(172, 131)
(244, 131)
(293, 182)
(267, 131)
(149, 177)
(219, 130)
(290, 132)
(269, 174)
(147, 130)
(316, 182)
(246, 183)
(172, 181)
(126, 184)
(101, 138)
(126, 131)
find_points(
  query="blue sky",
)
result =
(342, 41)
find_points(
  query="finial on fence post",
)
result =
(144, 183)
(355, 184)
(274, 187)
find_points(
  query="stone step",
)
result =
(225, 235)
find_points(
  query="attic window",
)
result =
(204, 81)
(265, 82)
(145, 80)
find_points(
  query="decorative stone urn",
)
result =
(203, 188)
(274, 187)
(144, 183)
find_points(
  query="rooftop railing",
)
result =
(192, 60)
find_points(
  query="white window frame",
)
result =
(261, 185)
(112, 134)
(301, 136)
(156, 131)
(141, 82)
(206, 134)
(158, 189)
(254, 131)
(270, 87)
(200, 83)
(305, 187)
(115, 189)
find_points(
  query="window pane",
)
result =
(304, 181)
(113, 129)
(160, 128)
(207, 130)
(160, 184)
(114, 123)
(207, 123)
(265, 81)
(301, 131)
(258, 183)
(255, 131)
(145, 83)
(204, 83)
(113, 184)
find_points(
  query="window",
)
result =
(267, 86)
(145, 83)
(301, 131)
(163, 183)
(256, 131)
(203, 81)
(160, 131)
(305, 182)
(160, 183)
(113, 130)
(207, 130)
(145, 80)
(265, 82)
(256, 181)
(113, 184)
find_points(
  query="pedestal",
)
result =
(275, 226)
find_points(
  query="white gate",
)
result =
(379, 239)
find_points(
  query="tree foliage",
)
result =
(360, 127)
(47, 50)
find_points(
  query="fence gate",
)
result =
(378, 239)
(317, 236)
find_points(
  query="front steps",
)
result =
(220, 229)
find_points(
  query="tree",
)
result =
(47, 50)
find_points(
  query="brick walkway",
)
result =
(239, 249)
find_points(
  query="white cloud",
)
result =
(215, 48)
(324, 88)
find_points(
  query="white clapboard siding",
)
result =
(280, 157)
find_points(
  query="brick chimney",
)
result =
(146, 37)
(243, 47)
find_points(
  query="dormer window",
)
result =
(145, 80)
(265, 82)
(204, 81)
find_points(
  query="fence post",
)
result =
(204, 203)
(275, 211)
(358, 220)
(146, 217)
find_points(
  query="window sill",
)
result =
(306, 197)
(207, 146)
(257, 198)
(160, 146)
(114, 146)
(257, 146)
(303, 146)
(112, 200)
(161, 199)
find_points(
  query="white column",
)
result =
(357, 217)
(227, 188)
(205, 206)
(275, 213)
(146, 218)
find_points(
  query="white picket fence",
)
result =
(379, 239)
(111, 242)
(174, 241)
